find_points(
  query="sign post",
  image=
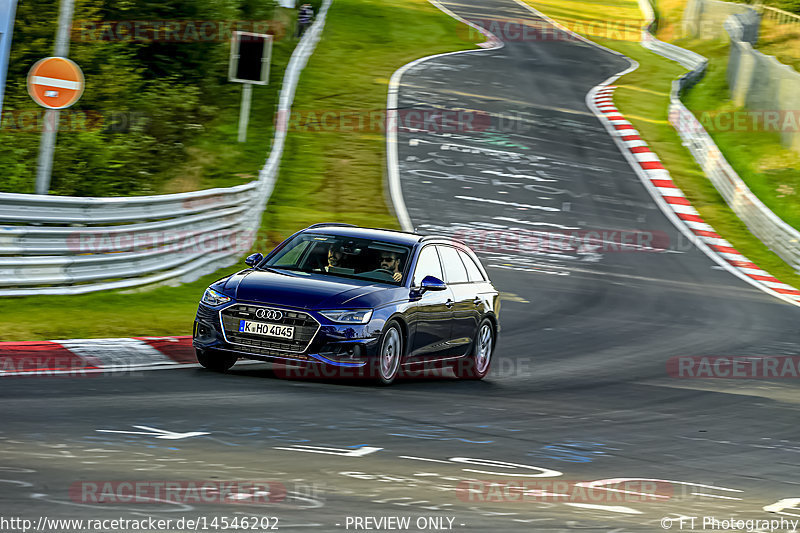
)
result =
(8, 10)
(53, 92)
(249, 64)
(244, 111)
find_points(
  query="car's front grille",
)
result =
(205, 313)
(305, 327)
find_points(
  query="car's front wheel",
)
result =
(475, 365)
(215, 360)
(387, 364)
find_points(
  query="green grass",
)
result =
(336, 174)
(768, 169)
(324, 176)
(215, 158)
(643, 97)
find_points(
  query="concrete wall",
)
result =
(704, 19)
(756, 81)
(762, 83)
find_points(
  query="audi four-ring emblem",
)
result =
(269, 314)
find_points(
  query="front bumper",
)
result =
(340, 345)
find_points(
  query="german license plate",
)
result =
(266, 329)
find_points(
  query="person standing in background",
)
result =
(304, 17)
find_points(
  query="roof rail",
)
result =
(321, 224)
(441, 238)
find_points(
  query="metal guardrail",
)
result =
(60, 245)
(779, 16)
(780, 237)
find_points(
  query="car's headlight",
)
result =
(212, 297)
(345, 316)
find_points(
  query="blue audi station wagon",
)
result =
(377, 301)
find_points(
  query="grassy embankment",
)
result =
(325, 176)
(643, 97)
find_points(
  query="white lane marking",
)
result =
(512, 204)
(157, 433)
(542, 472)
(392, 99)
(423, 459)
(56, 82)
(610, 508)
(714, 496)
(780, 506)
(601, 483)
(518, 221)
(342, 452)
(518, 176)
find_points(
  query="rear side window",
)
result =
(473, 271)
(453, 267)
(427, 265)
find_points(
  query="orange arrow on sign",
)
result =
(55, 82)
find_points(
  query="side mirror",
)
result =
(432, 283)
(253, 260)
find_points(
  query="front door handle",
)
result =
(449, 303)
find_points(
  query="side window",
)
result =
(453, 267)
(427, 265)
(473, 271)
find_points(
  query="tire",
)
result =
(386, 365)
(215, 360)
(476, 364)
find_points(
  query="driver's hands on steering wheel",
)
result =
(397, 276)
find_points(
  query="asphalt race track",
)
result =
(580, 389)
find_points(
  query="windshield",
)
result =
(343, 256)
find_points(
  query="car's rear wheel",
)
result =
(215, 360)
(387, 364)
(476, 364)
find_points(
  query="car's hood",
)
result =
(311, 291)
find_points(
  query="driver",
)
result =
(391, 261)
(335, 256)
